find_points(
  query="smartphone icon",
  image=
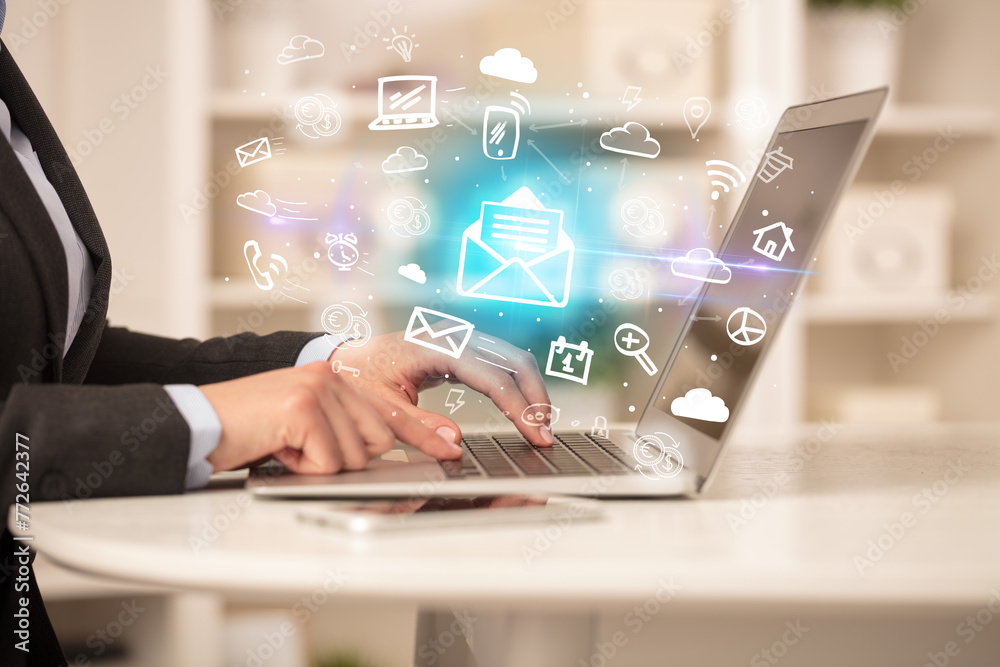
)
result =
(501, 132)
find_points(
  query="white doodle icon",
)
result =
(413, 272)
(509, 64)
(631, 139)
(301, 47)
(339, 366)
(660, 454)
(600, 429)
(263, 277)
(701, 264)
(257, 150)
(632, 341)
(348, 320)
(568, 361)
(696, 113)
(537, 414)
(642, 217)
(631, 97)
(626, 284)
(752, 113)
(774, 240)
(403, 160)
(502, 128)
(775, 163)
(408, 217)
(317, 116)
(454, 400)
(724, 178)
(257, 201)
(438, 331)
(746, 326)
(401, 44)
(406, 103)
(699, 404)
(343, 251)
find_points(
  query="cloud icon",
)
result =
(700, 404)
(257, 201)
(701, 264)
(404, 159)
(413, 272)
(299, 48)
(632, 139)
(509, 64)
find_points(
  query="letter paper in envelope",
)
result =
(518, 252)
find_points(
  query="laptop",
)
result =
(405, 102)
(677, 445)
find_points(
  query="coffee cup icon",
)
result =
(776, 162)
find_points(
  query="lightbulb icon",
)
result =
(401, 44)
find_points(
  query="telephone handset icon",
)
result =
(261, 277)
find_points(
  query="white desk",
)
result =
(794, 560)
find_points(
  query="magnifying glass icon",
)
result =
(633, 342)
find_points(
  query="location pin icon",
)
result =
(696, 113)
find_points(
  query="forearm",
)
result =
(125, 356)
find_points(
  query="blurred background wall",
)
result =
(900, 325)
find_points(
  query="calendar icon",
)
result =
(568, 361)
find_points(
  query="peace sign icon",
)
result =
(746, 326)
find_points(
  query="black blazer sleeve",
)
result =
(91, 441)
(125, 356)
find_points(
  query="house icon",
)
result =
(773, 240)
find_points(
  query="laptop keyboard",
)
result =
(510, 455)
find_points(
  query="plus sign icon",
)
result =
(632, 341)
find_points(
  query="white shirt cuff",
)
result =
(319, 349)
(206, 430)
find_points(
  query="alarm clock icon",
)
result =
(343, 252)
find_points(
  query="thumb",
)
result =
(443, 426)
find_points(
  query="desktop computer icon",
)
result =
(405, 102)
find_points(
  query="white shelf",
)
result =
(355, 107)
(918, 120)
(244, 294)
(822, 309)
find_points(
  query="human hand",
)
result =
(397, 370)
(312, 420)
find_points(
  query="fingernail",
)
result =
(448, 434)
(546, 434)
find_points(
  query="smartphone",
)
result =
(376, 516)
(501, 132)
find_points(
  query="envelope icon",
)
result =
(253, 151)
(518, 252)
(438, 331)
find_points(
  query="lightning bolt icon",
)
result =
(631, 97)
(456, 402)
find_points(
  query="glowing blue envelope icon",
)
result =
(517, 251)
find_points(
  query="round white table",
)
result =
(869, 550)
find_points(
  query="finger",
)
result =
(346, 415)
(310, 442)
(501, 388)
(418, 428)
(376, 436)
(528, 377)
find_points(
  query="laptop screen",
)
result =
(407, 97)
(767, 254)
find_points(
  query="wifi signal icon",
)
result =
(502, 128)
(724, 181)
